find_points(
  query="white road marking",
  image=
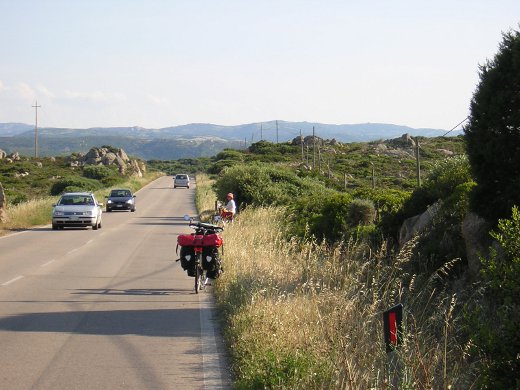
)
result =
(12, 280)
(47, 263)
(72, 251)
(211, 358)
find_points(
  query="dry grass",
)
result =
(205, 197)
(307, 315)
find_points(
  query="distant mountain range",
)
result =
(191, 140)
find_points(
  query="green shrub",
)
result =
(230, 154)
(262, 184)
(220, 165)
(74, 183)
(440, 184)
(98, 172)
(494, 322)
(324, 216)
(361, 212)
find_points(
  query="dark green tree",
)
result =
(493, 132)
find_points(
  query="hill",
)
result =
(190, 140)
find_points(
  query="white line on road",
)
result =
(47, 263)
(72, 251)
(211, 358)
(12, 280)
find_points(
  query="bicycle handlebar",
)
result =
(207, 226)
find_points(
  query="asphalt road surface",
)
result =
(108, 309)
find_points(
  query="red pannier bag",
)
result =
(186, 240)
(212, 240)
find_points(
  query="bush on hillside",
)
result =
(98, 172)
(73, 184)
(361, 212)
(230, 154)
(386, 201)
(493, 322)
(263, 185)
(440, 184)
(324, 216)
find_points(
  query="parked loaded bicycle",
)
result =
(199, 254)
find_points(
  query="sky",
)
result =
(160, 63)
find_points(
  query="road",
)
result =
(108, 309)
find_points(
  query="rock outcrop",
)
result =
(417, 224)
(3, 205)
(109, 156)
(477, 241)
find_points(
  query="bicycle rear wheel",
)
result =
(198, 274)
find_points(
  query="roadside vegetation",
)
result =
(318, 252)
(302, 312)
(31, 186)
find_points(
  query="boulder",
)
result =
(446, 152)
(415, 225)
(15, 156)
(136, 171)
(3, 205)
(475, 231)
(2, 154)
(122, 154)
(108, 158)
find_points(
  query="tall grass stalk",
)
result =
(205, 197)
(303, 314)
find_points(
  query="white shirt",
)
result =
(231, 207)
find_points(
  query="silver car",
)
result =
(77, 209)
(181, 180)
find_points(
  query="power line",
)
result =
(458, 124)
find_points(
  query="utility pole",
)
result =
(261, 132)
(36, 106)
(373, 177)
(301, 139)
(313, 149)
(418, 162)
(276, 131)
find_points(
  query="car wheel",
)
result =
(132, 210)
(108, 210)
(54, 227)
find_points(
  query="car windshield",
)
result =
(76, 200)
(181, 177)
(120, 193)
